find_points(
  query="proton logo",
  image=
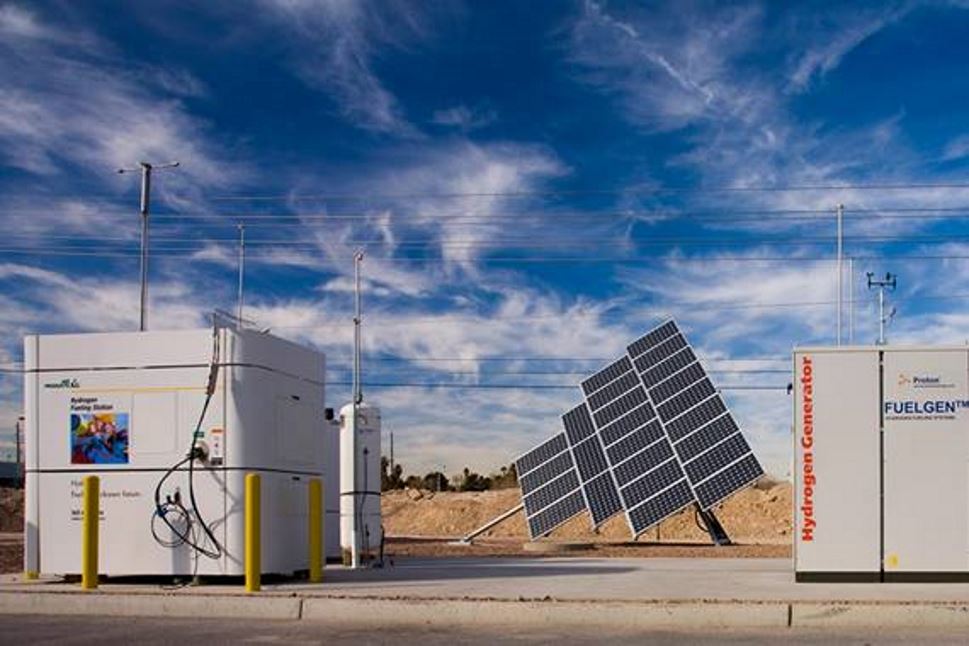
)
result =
(64, 383)
(903, 379)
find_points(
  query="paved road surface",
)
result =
(145, 631)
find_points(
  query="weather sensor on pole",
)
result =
(889, 282)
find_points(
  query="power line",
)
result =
(515, 243)
(419, 218)
(438, 385)
(642, 190)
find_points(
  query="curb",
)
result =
(545, 613)
(805, 615)
(124, 605)
(385, 611)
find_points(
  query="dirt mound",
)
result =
(11, 509)
(757, 515)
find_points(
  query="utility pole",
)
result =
(242, 267)
(889, 282)
(145, 169)
(851, 301)
(840, 213)
(357, 399)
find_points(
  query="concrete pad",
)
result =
(617, 615)
(817, 615)
(148, 605)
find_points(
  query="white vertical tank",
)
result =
(360, 531)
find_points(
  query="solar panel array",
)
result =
(651, 437)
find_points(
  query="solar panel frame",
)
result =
(652, 436)
(684, 398)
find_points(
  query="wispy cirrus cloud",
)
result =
(336, 44)
(832, 36)
(70, 102)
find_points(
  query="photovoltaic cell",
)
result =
(643, 462)
(603, 498)
(663, 351)
(627, 424)
(652, 338)
(545, 473)
(578, 424)
(694, 419)
(675, 363)
(590, 458)
(713, 433)
(686, 400)
(636, 442)
(612, 391)
(607, 374)
(738, 476)
(714, 460)
(659, 507)
(620, 407)
(648, 485)
(554, 490)
(677, 383)
(550, 518)
(541, 453)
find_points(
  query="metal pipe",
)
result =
(357, 399)
(242, 269)
(851, 301)
(840, 212)
(145, 198)
(491, 523)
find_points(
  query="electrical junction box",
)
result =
(125, 406)
(881, 468)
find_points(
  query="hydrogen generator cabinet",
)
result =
(128, 407)
(881, 469)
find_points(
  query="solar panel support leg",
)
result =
(717, 533)
(491, 523)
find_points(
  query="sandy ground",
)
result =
(420, 523)
(11, 509)
(759, 515)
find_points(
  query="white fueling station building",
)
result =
(126, 407)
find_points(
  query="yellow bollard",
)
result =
(316, 530)
(89, 533)
(253, 557)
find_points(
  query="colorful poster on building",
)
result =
(99, 434)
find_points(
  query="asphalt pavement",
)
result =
(105, 631)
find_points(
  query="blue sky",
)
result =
(534, 185)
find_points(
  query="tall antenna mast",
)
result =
(145, 169)
(357, 319)
(242, 268)
(889, 282)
